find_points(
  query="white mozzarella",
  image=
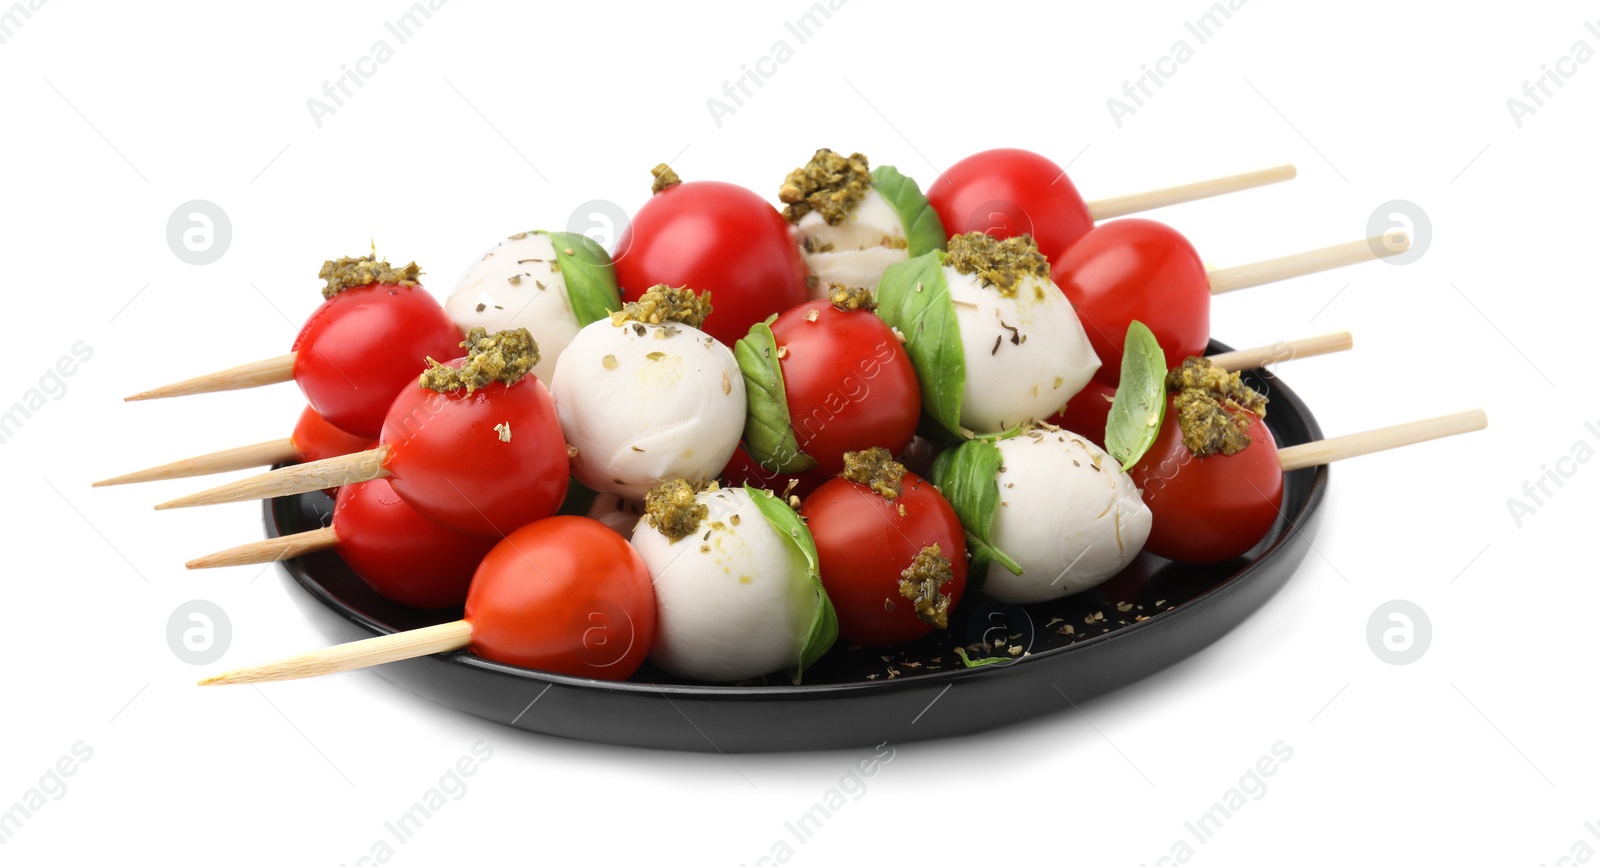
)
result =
(856, 251)
(516, 285)
(643, 403)
(863, 268)
(618, 513)
(731, 605)
(1026, 355)
(1068, 515)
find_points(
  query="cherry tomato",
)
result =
(1009, 192)
(483, 463)
(564, 595)
(315, 439)
(400, 554)
(743, 470)
(1137, 269)
(1210, 509)
(362, 346)
(716, 237)
(864, 542)
(848, 382)
(1086, 414)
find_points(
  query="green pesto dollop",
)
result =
(921, 582)
(848, 298)
(353, 272)
(830, 184)
(662, 177)
(662, 304)
(504, 357)
(1211, 404)
(1001, 264)
(876, 469)
(672, 509)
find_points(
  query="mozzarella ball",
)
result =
(643, 403)
(1068, 515)
(517, 285)
(733, 598)
(1026, 355)
(857, 250)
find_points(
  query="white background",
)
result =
(493, 119)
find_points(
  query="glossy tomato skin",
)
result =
(864, 543)
(400, 554)
(716, 237)
(1086, 414)
(1211, 509)
(450, 463)
(314, 439)
(848, 382)
(1008, 192)
(1137, 269)
(743, 470)
(362, 346)
(564, 595)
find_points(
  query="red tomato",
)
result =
(400, 554)
(743, 470)
(362, 346)
(848, 382)
(1137, 269)
(564, 595)
(448, 460)
(1009, 192)
(864, 543)
(1085, 415)
(1211, 509)
(315, 439)
(716, 237)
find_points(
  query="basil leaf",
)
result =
(968, 476)
(969, 662)
(824, 628)
(913, 297)
(924, 231)
(1141, 398)
(768, 435)
(591, 280)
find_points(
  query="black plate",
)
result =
(1151, 615)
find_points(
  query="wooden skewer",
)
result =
(1308, 262)
(1121, 206)
(266, 372)
(1283, 350)
(288, 481)
(242, 458)
(357, 654)
(269, 550)
(1357, 444)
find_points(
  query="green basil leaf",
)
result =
(913, 297)
(969, 477)
(591, 280)
(1141, 398)
(924, 232)
(824, 628)
(768, 435)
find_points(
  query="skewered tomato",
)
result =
(399, 553)
(1009, 192)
